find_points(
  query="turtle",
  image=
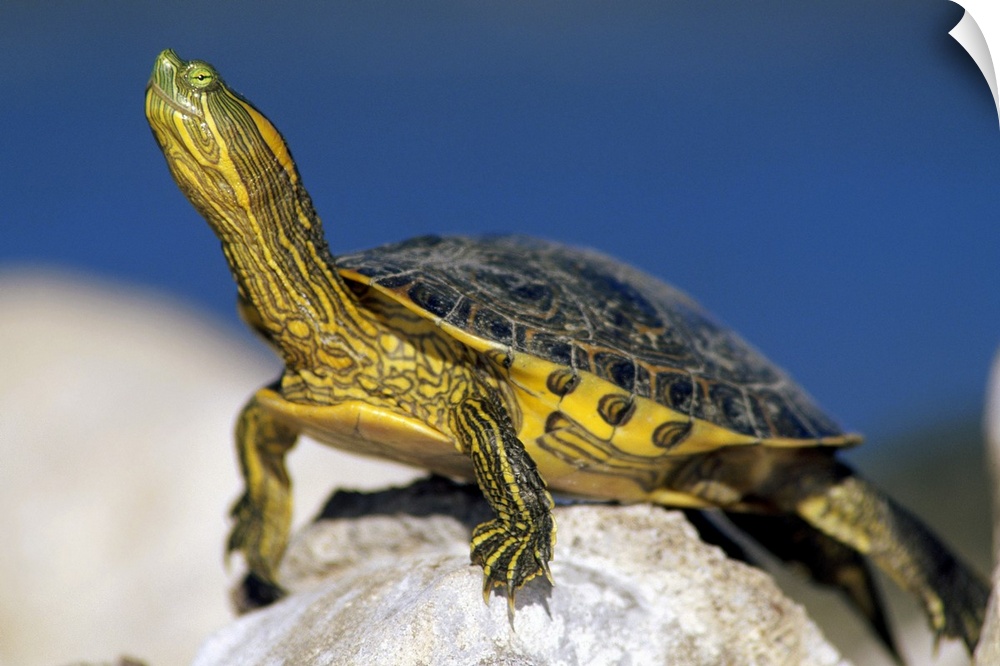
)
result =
(528, 367)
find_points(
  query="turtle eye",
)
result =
(200, 76)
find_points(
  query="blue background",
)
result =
(821, 175)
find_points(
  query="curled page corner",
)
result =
(981, 38)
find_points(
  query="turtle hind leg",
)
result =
(792, 540)
(828, 561)
(857, 514)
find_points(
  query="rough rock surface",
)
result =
(634, 585)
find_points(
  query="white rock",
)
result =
(634, 585)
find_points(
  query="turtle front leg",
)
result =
(263, 515)
(516, 546)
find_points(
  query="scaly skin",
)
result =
(370, 368)
(347, 356)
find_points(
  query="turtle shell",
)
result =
(586, 311)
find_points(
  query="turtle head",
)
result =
(227, 158)
(234, 167)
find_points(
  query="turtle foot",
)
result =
(513, 554)
(261, 543)
(960, 610)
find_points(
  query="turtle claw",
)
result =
(510, 608)
(511, 555)
(488, 586)
(547, 572)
